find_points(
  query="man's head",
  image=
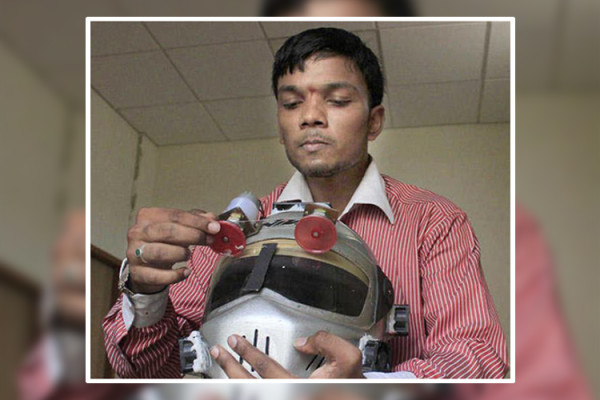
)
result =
(328, 42)
(329, 89)
(338, 8)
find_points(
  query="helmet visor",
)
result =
(306, 280)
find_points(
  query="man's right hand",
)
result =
(166, 235)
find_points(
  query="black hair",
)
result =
(390, 8)
(327, 42)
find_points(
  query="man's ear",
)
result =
(376, 121)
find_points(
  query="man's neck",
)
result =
(338, 189)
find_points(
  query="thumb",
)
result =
(344, 360)
(324, 343)
(180, 274)
(158, 277)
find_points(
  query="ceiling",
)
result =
(556, 46)
(190, 82)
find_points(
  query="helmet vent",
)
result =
(241, 359)
(316, 362)
(255, 344)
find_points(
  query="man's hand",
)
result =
(343, 359)
(164, 235)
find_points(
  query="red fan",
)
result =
(230, 240)
(315, 233)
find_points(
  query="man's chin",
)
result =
(318, 172)
(316, 167)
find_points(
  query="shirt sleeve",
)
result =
(147, 352)
(142, 310)
(146, 348)
(464, 335)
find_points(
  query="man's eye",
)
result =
(339, 103)
(291, 105)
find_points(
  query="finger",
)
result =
(265, 366)
(343, 359)
(202, 213)
(156, 277)
(157, 215)
(230, 365)
(157, 254)
(171, 233)
(197, 211)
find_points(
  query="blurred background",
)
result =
(42, 59)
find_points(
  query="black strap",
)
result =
(256, 279)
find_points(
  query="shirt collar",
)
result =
(370, 190)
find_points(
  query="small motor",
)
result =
(376, 352)
(237, 222)
(194, 354)
(315, 232)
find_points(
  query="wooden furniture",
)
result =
(104, 275)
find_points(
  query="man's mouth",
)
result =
(312, 145)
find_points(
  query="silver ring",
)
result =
(139, 253)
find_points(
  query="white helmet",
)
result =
(275, 291)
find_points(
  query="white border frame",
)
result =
(88, 21)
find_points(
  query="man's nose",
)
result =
(313, 114)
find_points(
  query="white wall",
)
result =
(470, 165)
(143, 188)
(113, 161)
(208, 176)
(33, 122)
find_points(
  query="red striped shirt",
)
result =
(431, 256)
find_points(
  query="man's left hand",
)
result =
(342, 358)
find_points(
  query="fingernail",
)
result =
(301, 341)
(214, 227)
(187, 272)
(232, 340)
(210, 240)
(214, 352)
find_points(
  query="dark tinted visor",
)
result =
(303, 280)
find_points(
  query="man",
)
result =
(329, 89)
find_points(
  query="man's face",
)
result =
(324, 117)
